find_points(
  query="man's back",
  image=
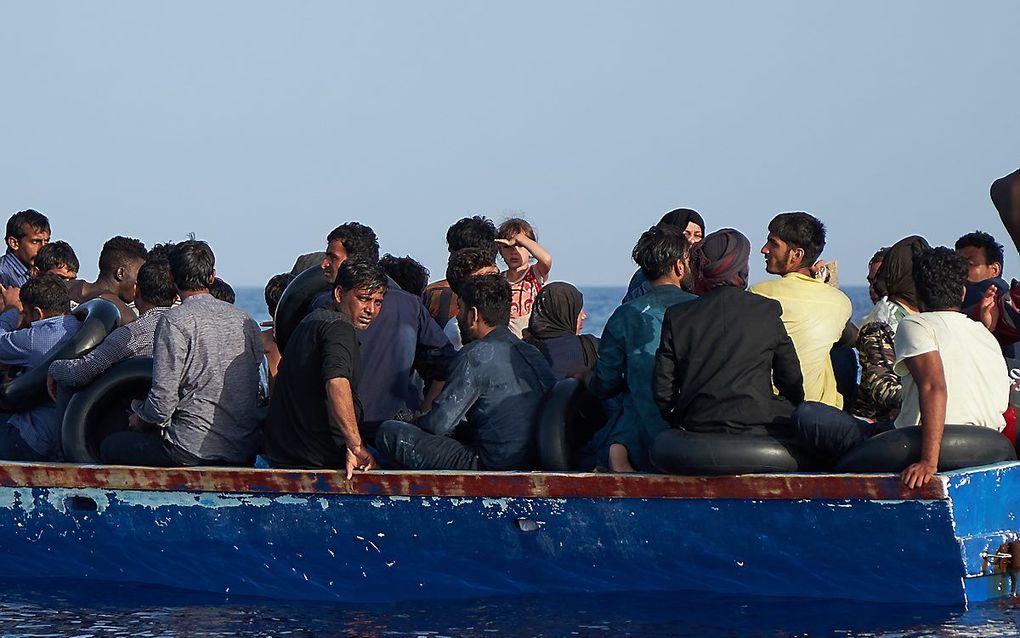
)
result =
(498, 384)
(298, 432)
(205, 379)
(814, 314)
(977, 381)
(717, 362)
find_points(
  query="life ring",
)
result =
(569, 418)
(100, 408)
(687, 453)
(99, 317)
(962, 446)
(296, 302)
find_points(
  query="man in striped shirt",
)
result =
(27, 232)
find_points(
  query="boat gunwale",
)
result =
(459, 484)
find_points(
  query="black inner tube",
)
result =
(962, 446)
(296, 302)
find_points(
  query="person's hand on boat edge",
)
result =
(918, 474)
(359, 458)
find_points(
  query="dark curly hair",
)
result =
(800, 230)
(21, 223)
(56, 254)
(658, 249)
(156, 284)
(466, 262)
(274, 290)
(223, 291)
(410, 275)
(470, 232)
(940, 275)
(118, 252)
(994, 251)
(491, 295)
(354, 274)
(192, 263)
(48, 293)
(359, 241)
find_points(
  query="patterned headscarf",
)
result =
(721, 259)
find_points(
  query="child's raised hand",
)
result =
(507, 242)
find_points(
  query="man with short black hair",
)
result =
(315, 412)
(154, 295)
(464, 264)
(815, 314)
(950, 366)
(119, 262)
(492, 397)
(468, 232)
(57, 258)
(34, 435)
(27, 232)
(985, 257)
(202, 408)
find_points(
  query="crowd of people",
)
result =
(389, 370)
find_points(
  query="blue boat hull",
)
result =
(399, 536)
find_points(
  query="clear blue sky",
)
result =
(260, 126)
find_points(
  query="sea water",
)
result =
(47, 608)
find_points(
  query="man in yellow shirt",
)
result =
(814, 313)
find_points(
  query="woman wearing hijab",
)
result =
(690, 224)
(720, 355)
(879, 392)
(555, 329)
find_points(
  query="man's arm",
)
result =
(343, 425)
(169, 350)
(930, 378)
(664, 382)
(15, 345)
(75, 373)
(609, 378)
(786, 373)
(462, 389)
(434, 354)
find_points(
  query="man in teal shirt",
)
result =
(627, 352)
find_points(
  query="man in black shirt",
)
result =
(314, 413)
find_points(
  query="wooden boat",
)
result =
(390, 536)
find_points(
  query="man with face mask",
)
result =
(315, 413)
(815, 314)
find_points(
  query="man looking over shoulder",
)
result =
(315, 411)
(492, 396)
(27, 232)
(202, 408)
(119, 262)
(815, 314)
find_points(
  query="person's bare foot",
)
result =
(619, 461)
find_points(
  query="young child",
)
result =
(517, 246)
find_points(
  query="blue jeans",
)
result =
(413, 448)
(831, 432)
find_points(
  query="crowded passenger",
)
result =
(119, 262)
(555, 329)
(627, 351)
(873, 266)
(223, 291)
(879, 392)
(518, 246)
(27, 232)
(985, 257)
(487, 415)
(690, 223)
(410, 275)
(469, 232)
(56, 258)
(464, 264)
(272, 293)
(951, 369)
(402, 346)
(202, 408)
(315, 412)
(720, 355)
(815, 314)
(34, 434)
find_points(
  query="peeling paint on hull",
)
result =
(398, 536)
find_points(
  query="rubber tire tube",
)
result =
(296, 303)
(962, 446)
(714, 454)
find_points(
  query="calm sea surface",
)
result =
(73, 609)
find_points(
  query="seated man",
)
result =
(627, 351)
(687, 221)
(985, 257)
(27, 232)
(401, 341)
(815, 314)
(315, 411)
(57, 258)
(469, 232)
(154, 294)
(409, 274)
(464, 264)
(951, 368)
(274, 290)
(34, 435)
(492, 397)
(119, 262)
(201, 409)
(720, 354)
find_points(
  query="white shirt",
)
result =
(977, 381)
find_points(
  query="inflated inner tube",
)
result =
(99, 318)
(569, 418)
(296, 302)
(101, 408)
(712, 454)
(962, 446)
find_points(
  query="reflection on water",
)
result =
(62, 609)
